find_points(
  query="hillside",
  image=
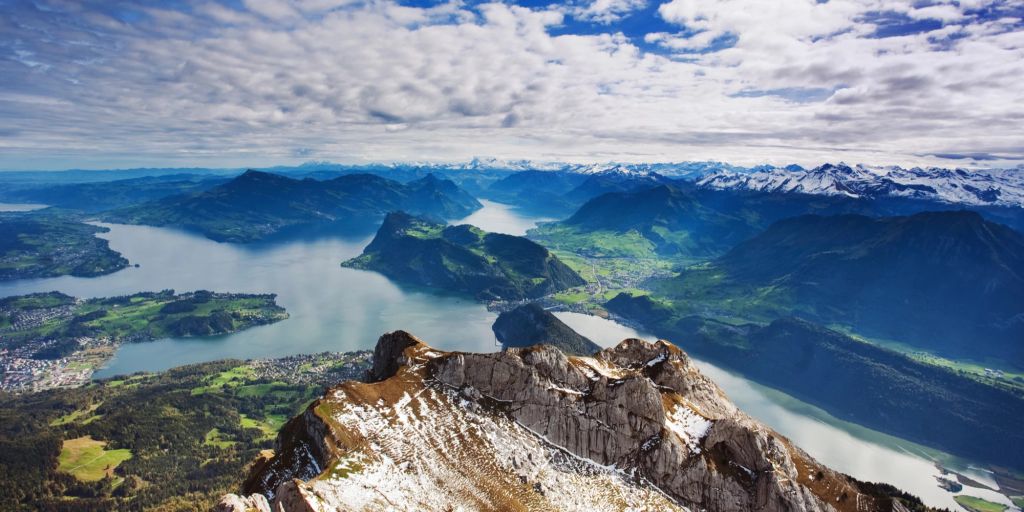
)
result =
(531, 324)
(947, 282)
(50, 247)
(683, 221)
(173, 440)
(634, 427)
(463, 259)
(853, 380)
(259, 205)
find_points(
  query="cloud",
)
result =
(210, 83)
(606, 11)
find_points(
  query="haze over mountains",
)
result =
(258, 205)
(948, 281)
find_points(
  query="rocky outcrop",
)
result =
(234, 503)
(530, 324)
(636, 426)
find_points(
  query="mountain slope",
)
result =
(531, 324)
(464, 259)
(944, 281)
(259, 205)
(635, 427)
(851, 379)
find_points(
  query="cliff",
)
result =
(633, 427)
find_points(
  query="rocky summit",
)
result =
(635, 427)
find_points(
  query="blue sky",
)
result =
(260, 82)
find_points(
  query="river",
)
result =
(339, 309)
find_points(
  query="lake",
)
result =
(339, 309)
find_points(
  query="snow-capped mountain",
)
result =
(688, 170)
(958, 186)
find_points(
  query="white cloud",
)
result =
(380, 81)
(607, 11)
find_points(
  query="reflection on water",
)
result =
(857, 451)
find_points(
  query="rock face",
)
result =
(634, 427)
(531, 324)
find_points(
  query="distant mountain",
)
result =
(635, 427)
(259, 205)
(951, 282)
(107, 195)
(559, 193)
(684, 220)
(956, 186)
(530, 324)
(854, 380)
(464, 259)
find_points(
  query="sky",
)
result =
(114, 84)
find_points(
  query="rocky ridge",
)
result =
(634, 427)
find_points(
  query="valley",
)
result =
(306, 277)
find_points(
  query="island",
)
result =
(531, 324)
(50, 340)
(50, 247)
(259, 206)
(464, 259)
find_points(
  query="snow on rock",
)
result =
(635, 427)
(1003, 187)
(688, 425)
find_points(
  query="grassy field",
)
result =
(216, 438)
(85, 415)
(86, 459)
(979, 505)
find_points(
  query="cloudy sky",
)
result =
(107, 83)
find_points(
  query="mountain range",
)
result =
(258, 205)
(464, 259)
(948, 282)
(635, 427)
(1003, 187)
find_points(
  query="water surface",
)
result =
(501, 218)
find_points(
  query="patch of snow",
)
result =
(689, 426)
